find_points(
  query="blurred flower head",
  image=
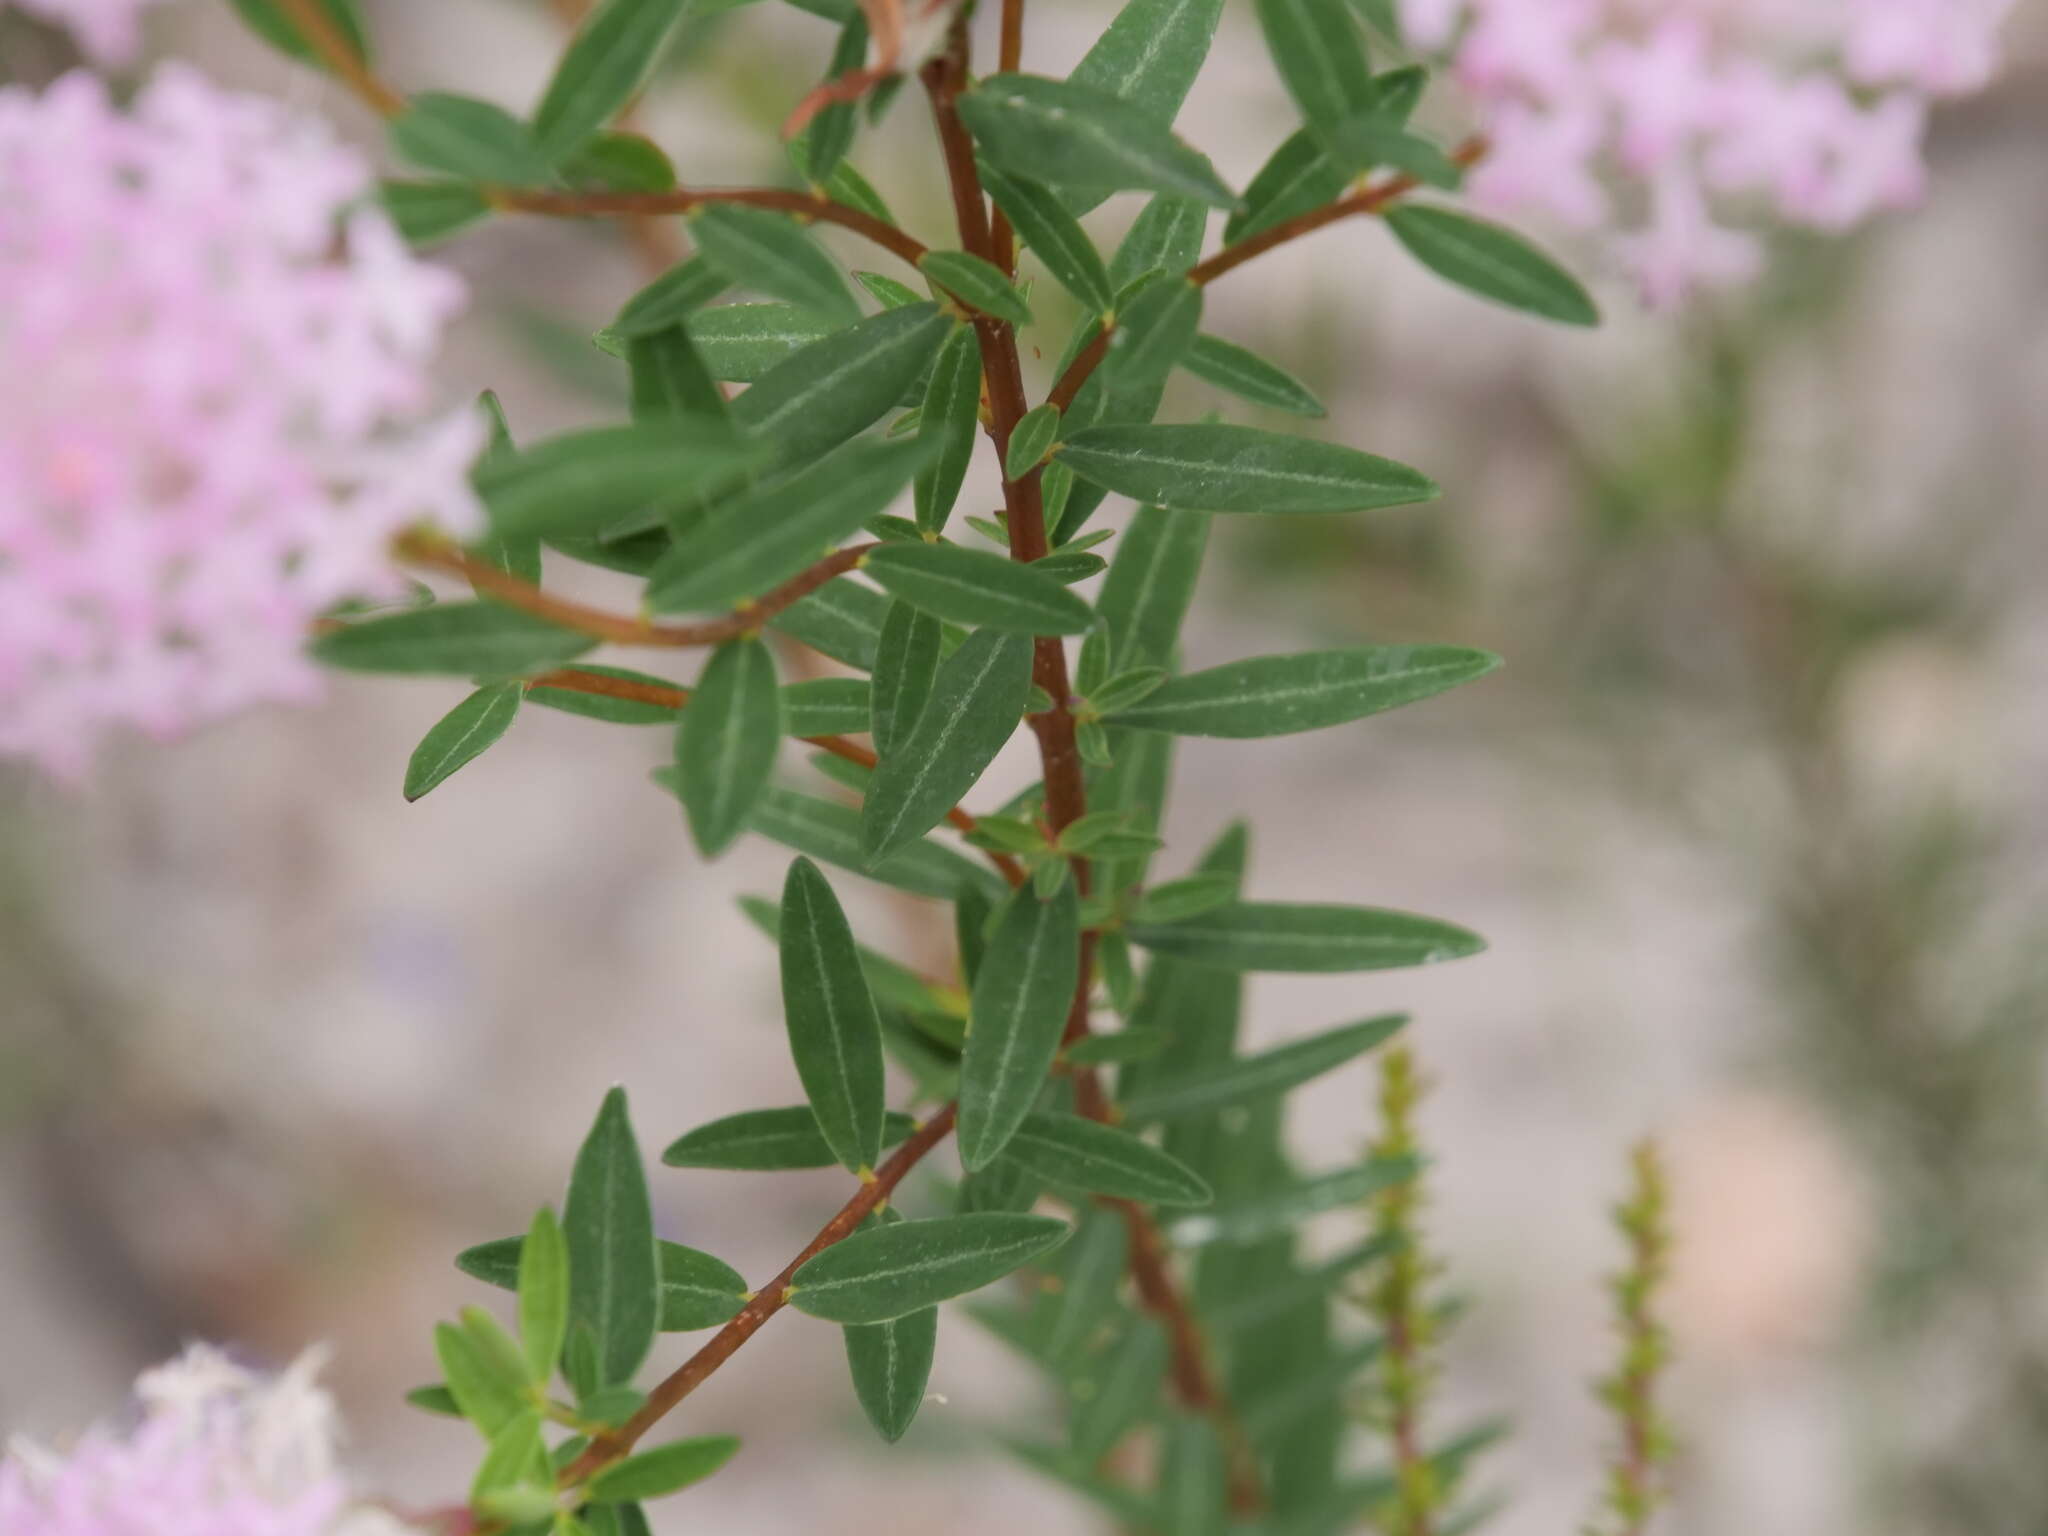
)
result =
(212, 415)
(216, 1450)
(110, 31)
(1682, 128)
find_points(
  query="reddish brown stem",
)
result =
(437, 554)
(577, 205)
(339, 55)
(766, 1302)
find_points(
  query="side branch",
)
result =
(581, 205)
(767, 1301)
(438, 554)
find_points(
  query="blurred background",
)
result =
(1754, 820)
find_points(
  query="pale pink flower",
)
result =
(110, 31)
(214, 406)
(1685, 127)
(214, 1450)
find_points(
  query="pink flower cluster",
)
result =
(110, 31)
(215, 369)
(215, 1451)
(1682, 126)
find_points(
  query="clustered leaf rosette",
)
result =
(1678, 129)
(214, 415)
(214, 1448)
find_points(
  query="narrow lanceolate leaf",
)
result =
(1068, 1152)
(886, 1272)
(670, 379)
(1166, 237)
(891, 1362)
(1123, 1386)
(834, 1032)
(1071, 136)
(461, 735)
(468, 139)
(832, 389)
(826, 706)
(1250, 377)
(1373, 139)
(1213, 467)
(952, 404)
(276, 26)
(543, 1295)
(1193, 1479)
(1054, 236)
(1321, 58)
(1277, 695)
(697, 1290)
(614, 1275)
(590, 482)
(613, 53)
(1151, 54)
(428, 212)
(477, 639)
(906, 666)
(842, 619)
(726, 742)
(1033, 435)
(1277, 1210)
(1245, 1078)
(1021, 997)
(978, 283)
(1300, 175)
(770, 252)
(650, 1474)
(759, 539)
(672, 297)
(1153, 333)
(514, 1472)
(1283, 936)
(979, 587)
(767, 1141)
(831, 832)
(741, 342)
(1151, 584)
(979, 697)
(480, 1387)
(621, 162)
(1493, 262)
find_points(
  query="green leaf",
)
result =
(819, 397)
(1193, 1484)
(674, 296)
(1166, 237)
(1184, 898)
(1371, 138)
(1114, 1050)
(1282, 936)
(515, 1468)
(1258, 1308)
(1054, 236)
(1070, 1153)
(826, 706)
(621, 162)
(428, 212)
(759, 539)
(1212, 467)
(767, 1141)
(1494, 263)
(1021, 996)
(951, 413)
(435, 1399)
(1153, 333)
(461, 735)
(614, 1275)
(1075, 1474)
(670, 379)
(1300, 175)
(742, 342)
(610, 1406)
(593, 481)
(698, 1290)
(1279, 695)
(1033, 435)
(887, 1272)
(906, 666)
(598, 706)
(761, 249)
(1321, 59)
(831, 132)
(726, 743)
(269, 21)
(666, 1468)
(978, 283)
(828, 831)
(478, 639)
(886, 291)
(476, 1379)
(1151, 584)
(1069, 135)
(1244, 1078)
(1250, 377)
(468, 139)
(1120, 1390)
(610, 58)
(977, 586)
(543, 1295)
(891, 1362)
(842, 619)
(1278, 1210)
(975, 705)
(1150, 56)
(834, 1033)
